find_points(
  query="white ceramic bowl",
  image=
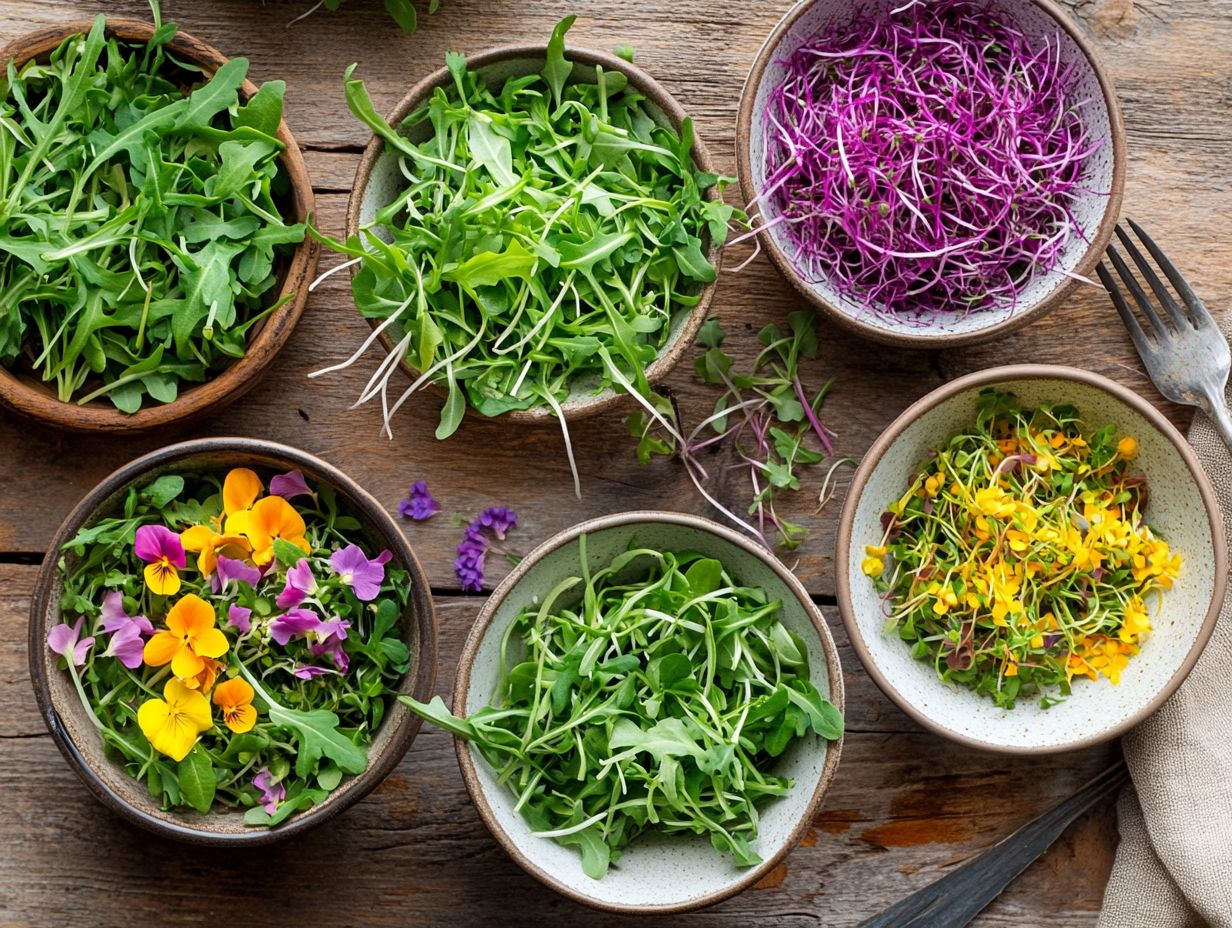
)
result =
(655, 874)
(1182, 509)
(1096, 214)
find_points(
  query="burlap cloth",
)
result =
(1173, 868)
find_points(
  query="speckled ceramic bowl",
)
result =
(1182, 509)
(79, 741)
(655, 874)
(1096, 213)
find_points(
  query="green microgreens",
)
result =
(140, 220)
(653, 695)
(403, 11)
(550, 236)
(768, 416)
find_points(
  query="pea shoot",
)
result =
(652, 695)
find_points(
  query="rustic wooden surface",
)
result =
(905, 805)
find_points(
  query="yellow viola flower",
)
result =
(172, 724)
(873, 564)
(208, 544)
(946, 598)
(269, 519)
(240, 490)
(190, 638)
(234, 698)
(204, 681)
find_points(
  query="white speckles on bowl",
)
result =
(1096, 213)
(1182, 509)
(656, 874)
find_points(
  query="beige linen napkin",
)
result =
(1173, 868)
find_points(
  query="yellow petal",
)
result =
(151, 718)
(191, 616)
(161, 648)
(241, 719)
(186, 664)
(176, 738)
(239, 490)
(233, 693)
(162, 578)
(189, 705)
(196, 538)
(210, 643)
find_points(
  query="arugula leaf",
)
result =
(196, 780)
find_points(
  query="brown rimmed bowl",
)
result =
(1096, 213)
(25, 394)
(378, 181)
(1182, 508)
(656, 874)
(76, 737)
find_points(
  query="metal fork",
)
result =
(1186, 355)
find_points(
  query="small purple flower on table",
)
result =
(498, 520)
(300, 585)
(289, 485)
(228, 569)
(271, 793)
(472, 550)
(240, 617)
(293, 623)
(362, 575)
(63, 640)
(419, 504)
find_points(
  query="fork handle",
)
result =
(1217, 409)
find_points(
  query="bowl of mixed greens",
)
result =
(648, 711)
(1030, 559)
(533, 231)
(153, 255)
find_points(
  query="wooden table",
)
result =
(905, 805)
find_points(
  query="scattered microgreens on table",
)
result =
(768, 416)
(141, 223)
(1020, 556)
(549, 235)
(926, 160)
(652, 695)
(281, 623)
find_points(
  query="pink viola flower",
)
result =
(127, 642)
(115, 618)
(240, 617)
(289, 485)
(309, 671)
(362, 575)
(271, 793)
(333, 632)
(230, 569)
(163, 554)
(292, 624)
(301, 583)
(63, 640)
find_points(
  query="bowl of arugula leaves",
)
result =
(648, 712)
(154, 258)
(534, 233)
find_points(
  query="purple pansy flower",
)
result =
(292, 623)
(127, 643)
(230, 568)
(300, 585)
(419, 504)
(155, 542)
(362, 575)
(472, 550)
(115, 618)
(271, 793)
(308, 671)
(333, 632)
(63, 641)
(240, 617)
(289, 485)
(127, 646)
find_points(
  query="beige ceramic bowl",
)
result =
(1096, 214)
(378, 180)
(655, 874)
(1182, 509)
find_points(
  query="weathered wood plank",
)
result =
(904, 806)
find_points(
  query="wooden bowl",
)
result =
(656, 874)
(28, 396)
(1182, 509)
(1096, 214)
(378, 180)
(66, 718)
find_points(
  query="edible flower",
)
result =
(419, 504)
(873, 564)
(473, 548)
(289, 485)
(203, 679)
(172, 724)
(272, 792)
(308, 671)
(210, 545)
(333, 633)
(127, 632)
(268, 520)
(239, 617)
(189, 638)
(293, 623)
(63, 640)
(301, 583)
(234, 698)
(240, 489)
(163, 554)
(362, 575)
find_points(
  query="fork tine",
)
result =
(1161, 292)
(1192, 300)
(1141, 342)
(1135, 288)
